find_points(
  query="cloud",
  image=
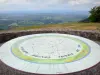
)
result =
(17, 2)
(47, 4)
(97, 3)
(3, 1)
(78, 2)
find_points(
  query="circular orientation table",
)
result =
(50, 53)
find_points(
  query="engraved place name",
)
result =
(48, 57)
(77, 50)
(79, 46)
(24, 50)
(67, 55)
(41, 56)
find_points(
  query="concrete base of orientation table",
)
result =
(50, 53)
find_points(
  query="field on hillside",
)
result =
(76, 26)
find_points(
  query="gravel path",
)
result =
(5, 70)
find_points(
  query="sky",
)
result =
(47, 5)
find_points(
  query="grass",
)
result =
(76, 26)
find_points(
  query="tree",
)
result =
(95, 14)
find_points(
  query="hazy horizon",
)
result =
(45, 12)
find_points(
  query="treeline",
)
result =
(94, 15)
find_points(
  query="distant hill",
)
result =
(85, 20)
(30, 19)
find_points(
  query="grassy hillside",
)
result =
(76, 26)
